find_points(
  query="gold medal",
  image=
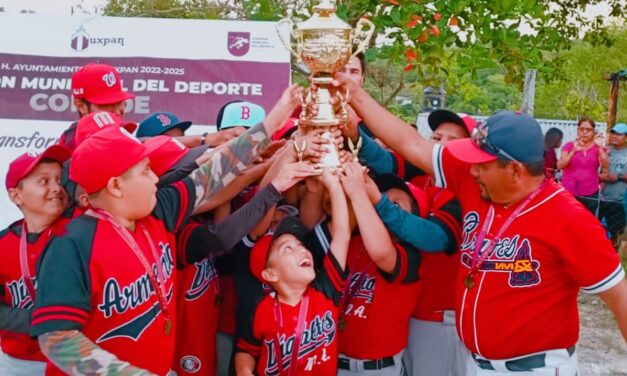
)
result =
(469, 282)
(168, 326)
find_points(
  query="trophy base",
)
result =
(331, 158)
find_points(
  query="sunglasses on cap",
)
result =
(479, 136)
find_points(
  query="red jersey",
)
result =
(438, 272)
(525, 296)
(318, 351)
(13, 290)
(376, 325)
(198, 310)
(92, 281)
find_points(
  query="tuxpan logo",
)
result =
(81, 40)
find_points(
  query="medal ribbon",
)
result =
(157, 282)
(28, 282)
(478, 257)
(300, 328)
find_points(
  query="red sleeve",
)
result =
(588, 254)
(568, 147)
(449, 172)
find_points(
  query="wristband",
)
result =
(204, 138)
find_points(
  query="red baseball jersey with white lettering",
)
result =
(13, 291)
(376, 324)
(197, 292)
(525, 296)
(91, 280)
(317, 354)
(438, 271)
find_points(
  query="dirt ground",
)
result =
(601, 349)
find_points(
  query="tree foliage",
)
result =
(478, 49)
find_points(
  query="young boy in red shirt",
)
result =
(33, 184)
(294, 329)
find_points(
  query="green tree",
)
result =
(577, 87)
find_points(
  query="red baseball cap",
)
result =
(97, 121)
(107, 154)
(167, 155)
(259, 256)
(26, 163)
(99, 84)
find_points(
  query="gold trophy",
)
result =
(325, 43)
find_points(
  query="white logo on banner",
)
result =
(109, 79)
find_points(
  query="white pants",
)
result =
(10, 366)
(557, 364)
(224, 347)
(433, 348)
(395, 370)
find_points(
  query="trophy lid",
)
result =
(324, 18)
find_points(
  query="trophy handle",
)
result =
(287, 44)
(363, 36)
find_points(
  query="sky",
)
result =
(51, 7)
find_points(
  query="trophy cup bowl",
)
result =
(325, 44)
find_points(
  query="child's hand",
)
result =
(291, 96)
(330, 179)
(373, 191)
(353, 179)
(311, 145)
(292, 173)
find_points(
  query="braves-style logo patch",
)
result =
(511, 255)
(523, 269)
(190, 364)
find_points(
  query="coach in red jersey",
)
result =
(517, 293)
(33, 184)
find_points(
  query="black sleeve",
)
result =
(408, 261)
(16, 320)
(331, 279)
(195, 242)
(243, 220)
(449, 217)
(319, 241)
(63, 299)
(175, 204)
(249, 292)
(176, 174)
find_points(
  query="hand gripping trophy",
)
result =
(325, 43)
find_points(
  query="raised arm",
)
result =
(394, 132)
(340, 228)
(229, 161)
(375, 236)
(75, 354)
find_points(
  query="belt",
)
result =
(375, 364)
(527, 363)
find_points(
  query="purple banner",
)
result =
(39, 87)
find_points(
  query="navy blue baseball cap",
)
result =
(505, 135)
(158, 123)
